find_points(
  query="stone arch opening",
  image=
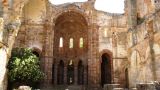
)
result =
(60, 73)
(80, 73)
(70, 73)
(71, 24)
(36, 53)
(126, 78)
(106, 69)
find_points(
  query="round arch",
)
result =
(36, 51)
(106, 67)
(71, 9)
(80, 72)
(70, 72)
(60, 74)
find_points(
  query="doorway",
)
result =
(70, 73)
(80, 73)
(60, 75)
(106, 76)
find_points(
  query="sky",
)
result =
(112, 6)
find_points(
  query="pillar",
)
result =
(75, 75)
(85, 75)
(65, 75)
(55, 74)
(3, 70)
(93, 58)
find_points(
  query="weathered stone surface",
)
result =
(146, 86)
(74, 87)
(131, 40)
(118, 89)
(111, 86)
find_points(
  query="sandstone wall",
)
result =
(110, 30)
(143, 43)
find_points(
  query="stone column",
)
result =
(75, 75)
(65, 75)
(3, 70)
(55, 74)
(48, 52)
(85, 75)
(93, 58)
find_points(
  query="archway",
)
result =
(106, 73)
(80, 73)
(36, 53)
(60, 73)
(126, 78)
(70, 42)
(70, 73)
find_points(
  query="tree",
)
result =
(24, 67)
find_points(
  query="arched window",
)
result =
(61, 42)
(71, 43)
(81, 42)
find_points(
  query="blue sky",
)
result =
(112, 6)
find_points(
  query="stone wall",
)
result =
(105, 31)
(3, 59)
(143, 43)
(134, 48)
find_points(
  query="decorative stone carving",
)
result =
(12, 26)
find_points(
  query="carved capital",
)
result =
(12, 26)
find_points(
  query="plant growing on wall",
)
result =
(24, 67)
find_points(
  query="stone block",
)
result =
(118, 89)
(75, 87)
(145, 86)
(24, 88)
(133, 89)
(111, 86)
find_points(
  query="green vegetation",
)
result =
(24, 67)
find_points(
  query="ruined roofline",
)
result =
(90, 3)
(111, 14)
(80, 3)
